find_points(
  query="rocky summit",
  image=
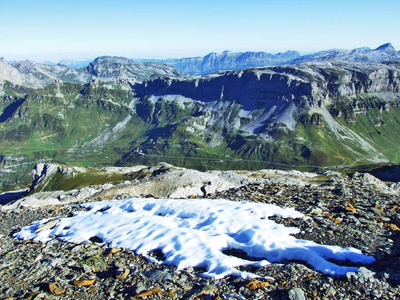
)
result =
(358, 211)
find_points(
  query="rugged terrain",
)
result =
(106, 69)
(228, 60)
(120, 112)
(357, 211)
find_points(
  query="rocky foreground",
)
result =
(359, 211)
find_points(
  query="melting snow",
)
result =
(193, 232)
(179, 99)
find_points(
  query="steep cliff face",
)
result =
(113, 68)
(307, 86)
(9, 73)
(320, 113)
(228, 60)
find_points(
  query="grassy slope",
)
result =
(41, 125)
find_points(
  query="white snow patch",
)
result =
(290, 173)
(109, 134)
(349, 134)
(112, 102)
(256, 122)
(179, 99)
(287, 117)
(196, 232)
(122, 170)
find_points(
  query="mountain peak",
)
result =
(388, 47)
(112, 59)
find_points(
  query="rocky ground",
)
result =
(360, 212)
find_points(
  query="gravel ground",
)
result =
(359, 212)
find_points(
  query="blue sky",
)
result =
(85, 29)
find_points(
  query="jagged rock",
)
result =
(228, 60)
(296, 294)
(84, 282)
(55, 289)
(48, 225)
(362, 275)
(157, 275)
(122, 274)
(106, 68)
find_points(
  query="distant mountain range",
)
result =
(338, 107)
(383, 53)
(228, 60)
(105, 69)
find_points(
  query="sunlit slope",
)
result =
(309, 115)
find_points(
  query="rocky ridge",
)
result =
(228, 60)
(358, 211)
(383, 53)
(105, 69)
(272, 101)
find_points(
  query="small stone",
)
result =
(85, 282)
(365, 273)
(115, 250)
(394, 227)
(157, 275)
(296, 294)
(256, 284)
(55, 289)
(121, 275)
(42, 296)
(154, 291)
(87, 269)
(376, 294)
(350, 208)
(330, 291)
(57, 262)
(338, 220)
(314, 211)
(48, 225)
(208, 290)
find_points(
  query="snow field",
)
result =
(195, 232)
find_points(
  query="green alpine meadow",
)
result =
(306, 115)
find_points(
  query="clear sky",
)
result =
(84, 29)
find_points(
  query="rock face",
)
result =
(112, 68)
(9, 73)
(228, 60)
(315, 82)
(286, 94)
(106, 69)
